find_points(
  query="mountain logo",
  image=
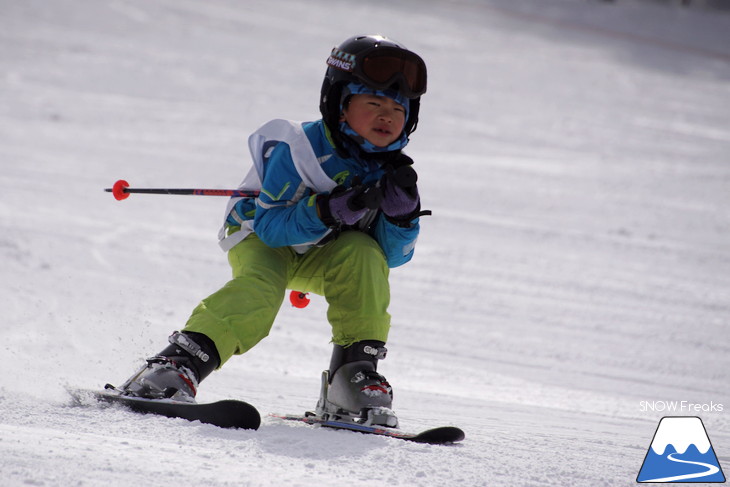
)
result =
(680, 452)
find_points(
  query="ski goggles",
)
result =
(381, 67)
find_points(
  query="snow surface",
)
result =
(573, 280)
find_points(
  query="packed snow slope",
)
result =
(574, 277)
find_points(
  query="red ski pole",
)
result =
(121, 191)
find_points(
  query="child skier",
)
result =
(338, 207)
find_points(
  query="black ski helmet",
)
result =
(379, 63)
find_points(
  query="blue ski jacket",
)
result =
(285, 213)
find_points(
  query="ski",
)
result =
(228, 413)
(231, 413)
(435, 436)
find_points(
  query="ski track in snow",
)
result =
(575, 156)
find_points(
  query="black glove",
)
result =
(347, 206)
(400, 193)
(401, 203)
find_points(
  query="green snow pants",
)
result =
(350, 272)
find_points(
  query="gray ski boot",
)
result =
(352, 389)
(176, 371)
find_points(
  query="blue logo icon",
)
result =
(681, 452)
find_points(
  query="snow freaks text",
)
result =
(680, 407)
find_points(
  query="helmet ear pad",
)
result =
(412, 122)
(329, 105)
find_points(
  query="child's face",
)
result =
(379, 119)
